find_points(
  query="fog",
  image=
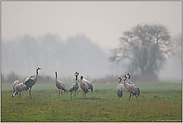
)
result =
(24, 54)
(78, 36)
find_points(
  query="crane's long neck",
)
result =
(119, 80)
(129, 77)
(36, 75)
(76, 79)
(125, 81)
(55, 77)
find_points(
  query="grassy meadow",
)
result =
(161, 101)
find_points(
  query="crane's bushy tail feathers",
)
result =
(119, 93)
(92, 89)
(138, 89)
(85, 90)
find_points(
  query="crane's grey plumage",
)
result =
(18, 88)
(74, 86)
(132, 89)
(129, 79)
(60, 85)
(14, 84)
(120, 88)
(83, 86)
(90, 86)
(30, 81)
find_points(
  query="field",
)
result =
(157, 102)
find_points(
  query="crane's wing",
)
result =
(28, 79)
(90, 86)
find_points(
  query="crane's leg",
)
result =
(75, 95)
(59, 92)
(30, 92)
(19, 94)
(130, 97)
(136, 98)
(83, 94)
(71, 95)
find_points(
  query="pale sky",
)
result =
(102, 22)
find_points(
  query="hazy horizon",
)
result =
(103, 23)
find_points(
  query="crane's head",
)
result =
(128, 74)
(125, 77)
(39, 68)
(76, 73)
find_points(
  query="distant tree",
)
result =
(146, 46)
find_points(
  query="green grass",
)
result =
(103, 104)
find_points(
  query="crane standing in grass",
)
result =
(60, 85)
(74, 86)
(14, 84)
(18, 88)
(90, 86)
(120, 88)
(132, 89)
(30, 81)
(83, 86)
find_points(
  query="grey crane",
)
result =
(120, 88)
(14, 84)
(132, 89)
(18, 88)
(30, 81)
(60, 85)
(90, 86)
(74, 86)
(83, 86)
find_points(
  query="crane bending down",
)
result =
(83, 86)
(14, 84)
(60, 85)
(120, 88)
(132, 89)
(74, 86)
(18, 88)
(30, 81)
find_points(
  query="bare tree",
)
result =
(146, 46)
